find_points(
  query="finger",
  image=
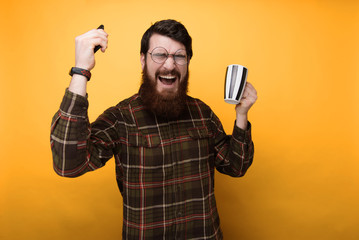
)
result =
(101, 31)
(103, 49)
(100, 42)
(249, 97)
(246, 92)
(248, 84)
(251, 93)
(247, 101)
(95, 33)
(250, 90)
(104, 36)
(97, 36)
(249, 87)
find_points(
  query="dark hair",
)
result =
(169, 28)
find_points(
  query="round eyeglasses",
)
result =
(160, 55)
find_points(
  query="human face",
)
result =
(168, 75)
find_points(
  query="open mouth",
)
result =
(167, 80)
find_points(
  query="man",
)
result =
(165, 143)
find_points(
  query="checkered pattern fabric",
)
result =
(165, 168)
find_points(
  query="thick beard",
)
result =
(168, 105)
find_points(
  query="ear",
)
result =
(143, 61)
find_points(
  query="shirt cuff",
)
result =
(242, 135)
(74, 104)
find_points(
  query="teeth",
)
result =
(168, 77)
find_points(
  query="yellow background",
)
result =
(302, 58)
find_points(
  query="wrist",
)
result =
(83, 66)
(242, 121)
(80, 71)
(242, 116)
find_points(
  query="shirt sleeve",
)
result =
(78, 147)
(234, 153)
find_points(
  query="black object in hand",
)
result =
(98, 46)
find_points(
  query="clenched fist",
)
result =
(84, 47)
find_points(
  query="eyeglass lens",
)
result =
(160, 55)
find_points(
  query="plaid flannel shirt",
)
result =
(164, 168)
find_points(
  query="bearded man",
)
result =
(166, 144)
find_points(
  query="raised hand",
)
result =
(85, 45)
(249, 97)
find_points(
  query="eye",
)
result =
(160, 55)
(180, 56)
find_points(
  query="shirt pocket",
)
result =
(142, 154)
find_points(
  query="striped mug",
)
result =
(235, 82)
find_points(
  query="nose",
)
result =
(169, 63)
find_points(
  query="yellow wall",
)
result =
(302, 57)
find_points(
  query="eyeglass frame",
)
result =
(174, 56)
